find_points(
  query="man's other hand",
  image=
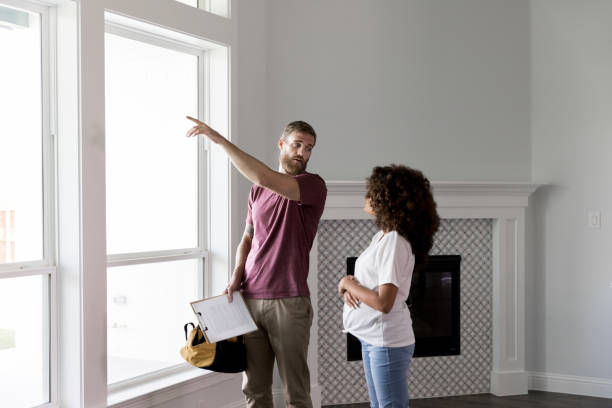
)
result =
(231, 288)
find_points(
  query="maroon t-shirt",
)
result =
(277, 265)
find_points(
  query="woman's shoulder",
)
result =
(377, 237)
(398, 241)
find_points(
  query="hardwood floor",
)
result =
(535, 399)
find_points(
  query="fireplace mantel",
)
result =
(504, 203)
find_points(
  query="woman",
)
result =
(375, 308)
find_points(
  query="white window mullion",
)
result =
(151, 257)
(49, 115)
(68, 382)
(203, 173)
(141, 35)
(25, 269)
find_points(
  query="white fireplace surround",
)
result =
(504, 203)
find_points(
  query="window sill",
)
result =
(161, 389)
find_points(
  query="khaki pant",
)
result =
(284, 333)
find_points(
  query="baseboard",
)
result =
(509, 383)
(569, 384)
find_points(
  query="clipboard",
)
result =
(220, 320)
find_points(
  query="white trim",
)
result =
(570, 384)
(147, 37)
(51, 217)
(204, 173)
(448, 194)
(179, 386)
(313, 347)
(177, 370)
(28, 269)
(207, 5)
(508, 383)
(504, 203)
(28, 5)
(455, 187)
(69, 212)
(119, 15)
(150, 257)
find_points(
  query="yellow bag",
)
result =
(227, 356)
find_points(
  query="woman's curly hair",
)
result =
(402, 200)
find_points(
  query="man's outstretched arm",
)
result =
(251, 168)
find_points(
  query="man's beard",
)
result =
(291, 166)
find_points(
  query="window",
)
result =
(27, 244)
(156, 194)
(219, 7)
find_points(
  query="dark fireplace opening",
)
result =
(434, 307)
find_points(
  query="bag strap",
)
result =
(186, 330)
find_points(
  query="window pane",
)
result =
(24, 358)
(152, 194)
(147, 307)
(219, 7)
(193, 3)
(21, 201)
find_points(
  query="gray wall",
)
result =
(252, 94)
(465, 90)
(570, 329)
(437, 84)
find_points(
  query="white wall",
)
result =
(440, 85)
(570, 300)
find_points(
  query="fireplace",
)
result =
(434, 305)
(482, 221)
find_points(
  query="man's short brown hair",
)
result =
(299, 126)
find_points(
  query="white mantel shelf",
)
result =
(504, 203)
(463, 187)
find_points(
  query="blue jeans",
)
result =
(386, 371)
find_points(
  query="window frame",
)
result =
(221, 8)
(199, 253)
(47, 266)
(80, 304)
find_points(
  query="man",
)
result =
(272, 262)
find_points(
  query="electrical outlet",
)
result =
(594, 219)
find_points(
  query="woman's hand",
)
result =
(343, 282)
(350, 300)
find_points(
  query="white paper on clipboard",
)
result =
(219, 319)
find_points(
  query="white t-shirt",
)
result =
(388, 259)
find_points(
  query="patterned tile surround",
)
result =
(342, 381)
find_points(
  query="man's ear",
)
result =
(280, 143)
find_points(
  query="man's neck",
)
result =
(282, 170)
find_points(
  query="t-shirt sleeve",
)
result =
(312, 189)
(249, 218)
(394, 259)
